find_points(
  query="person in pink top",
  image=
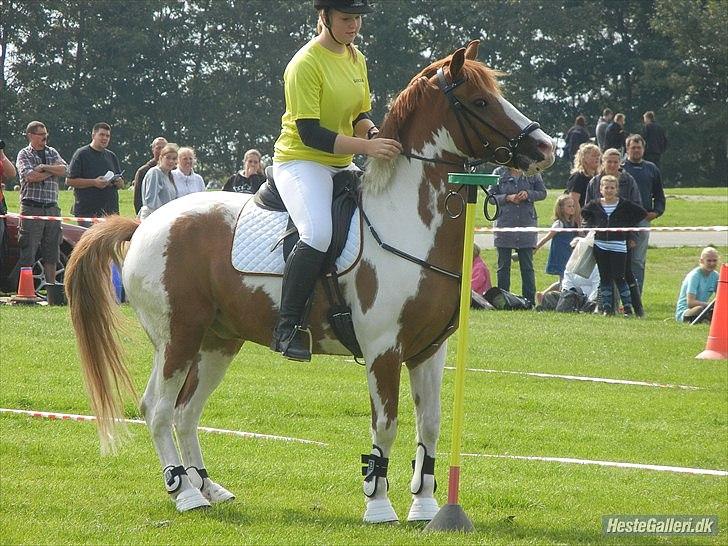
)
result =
(480, 281)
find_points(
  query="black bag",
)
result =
(503, 300)
(478, 302)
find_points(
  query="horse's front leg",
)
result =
(383, 377)
(425, 381)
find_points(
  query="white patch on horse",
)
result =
(522, 121)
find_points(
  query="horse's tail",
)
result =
(96, 319)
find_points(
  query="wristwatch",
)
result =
(372, 132)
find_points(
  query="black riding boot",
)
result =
(303, 267)
(634, 291)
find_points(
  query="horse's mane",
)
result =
(411, 99)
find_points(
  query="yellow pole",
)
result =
(457, 425)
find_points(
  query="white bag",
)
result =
(582, 260)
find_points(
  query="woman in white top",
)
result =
(158, 185)
(185, 177)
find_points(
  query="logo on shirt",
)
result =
(358, 80)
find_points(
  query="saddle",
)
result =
(346, 199)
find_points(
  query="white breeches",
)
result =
(306, 188)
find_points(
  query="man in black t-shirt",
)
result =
(95, 194)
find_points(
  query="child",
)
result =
(566, 215)
(480, 282)
(610, 247)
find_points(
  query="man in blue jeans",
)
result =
(516, 194)
(649, 182)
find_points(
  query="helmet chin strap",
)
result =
(327, 24)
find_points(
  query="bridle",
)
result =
(502, 155)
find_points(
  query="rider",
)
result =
(325, 123)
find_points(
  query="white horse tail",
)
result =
(96, 319)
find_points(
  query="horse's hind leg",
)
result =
(425, 381)
(383, 377)
(203, 378)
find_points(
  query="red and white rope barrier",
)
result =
(55, 218)
(87, 418)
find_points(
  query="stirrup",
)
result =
(300, 354)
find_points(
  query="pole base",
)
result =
(451, 517)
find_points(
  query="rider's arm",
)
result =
(315, 136)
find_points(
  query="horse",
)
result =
(198, 310)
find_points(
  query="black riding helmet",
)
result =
(345, 6)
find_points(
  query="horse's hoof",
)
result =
(380, 511)
(190, 499)
(423, 509)
(216, 493)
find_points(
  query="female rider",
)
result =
(325, 123)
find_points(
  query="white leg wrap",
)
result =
(215, 493)
(423, 509)
(189, 499)
(380, 511)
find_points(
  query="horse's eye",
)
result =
(480, 103)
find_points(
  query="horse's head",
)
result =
(462, 96)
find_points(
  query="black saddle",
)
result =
(344, 203)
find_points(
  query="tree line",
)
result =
(208, 73)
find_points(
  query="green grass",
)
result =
(56, 488)
(710, 210)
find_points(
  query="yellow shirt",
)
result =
(320, 84)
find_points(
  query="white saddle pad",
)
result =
(258, 230)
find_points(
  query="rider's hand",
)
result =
(383, 148)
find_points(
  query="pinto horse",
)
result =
(198, 310)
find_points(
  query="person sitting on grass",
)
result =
(698, 287)
(480, 280)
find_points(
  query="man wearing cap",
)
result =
(40, 169)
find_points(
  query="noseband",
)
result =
(502, 155)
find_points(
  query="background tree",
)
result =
(208, 73)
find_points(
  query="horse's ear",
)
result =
(471, 50)
(456, 63)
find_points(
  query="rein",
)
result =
(502, 155)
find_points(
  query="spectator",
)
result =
(611, 165)
(480, 280)
(95, 195)
(649, 182)
(627, 190)
(158, 186)
(185, 178)
(698, 287)
(610, 247)
(250, 177)
(40, 169)
(602, 125)
(566, 215)
(655, 138)
(157, 145)
(516, 195)
(7, 171)
(575, 137)
(615, 135)
(586, 164)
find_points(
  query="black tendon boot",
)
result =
(634, 291)
(303, 267)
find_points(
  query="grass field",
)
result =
(55, 488)
(685, 206)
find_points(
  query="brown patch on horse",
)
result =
(423, 207)
(194, 239)
(367, 285)
(374, 413)
(190, 385)
(424, 318)
(212, 342)
(386, 369)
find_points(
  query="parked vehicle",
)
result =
(11, 252)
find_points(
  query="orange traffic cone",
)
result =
(716, 348)
(26, 288)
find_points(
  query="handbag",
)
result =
(582, 259)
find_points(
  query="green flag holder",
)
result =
(452, 517)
